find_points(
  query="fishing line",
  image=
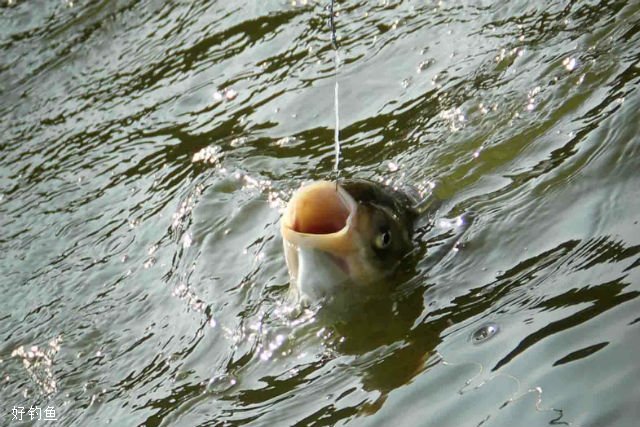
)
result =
(334, 43)
(332, 26)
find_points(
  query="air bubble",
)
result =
(485, 333)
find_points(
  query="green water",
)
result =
(148, 147)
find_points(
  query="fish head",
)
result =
(344, 237)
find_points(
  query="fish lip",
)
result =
(308, 223)
(318, 274)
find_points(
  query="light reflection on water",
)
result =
(148, 150)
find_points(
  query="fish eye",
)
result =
(383, 239)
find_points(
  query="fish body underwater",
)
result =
(345, 237)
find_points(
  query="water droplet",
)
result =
(211, 154)
(286, 141)
(484, 333)
(570, 63)
(265, 355)
(424, 65)
(238, 142)
(187, 240)
(230, 94)
(221, 383)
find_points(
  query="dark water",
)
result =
(147, 148)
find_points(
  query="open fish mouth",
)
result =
(318, 230)
(321, 216)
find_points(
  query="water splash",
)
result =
(208, 155)
(38, 362)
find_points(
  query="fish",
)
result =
(345, 236)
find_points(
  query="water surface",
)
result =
(148, 148)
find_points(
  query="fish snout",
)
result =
(318, 236)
